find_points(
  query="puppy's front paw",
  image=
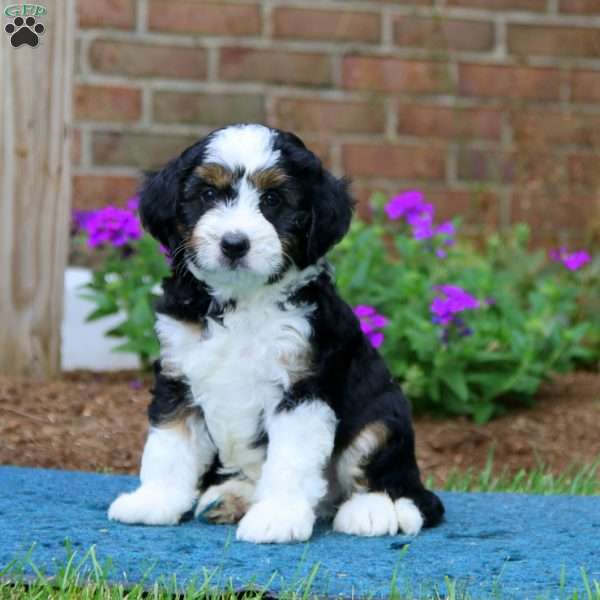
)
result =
(368, 514)
(151, 505)
(277, 521)
(410, 518)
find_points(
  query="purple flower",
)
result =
(376, 339)
(133, 203)
(79, 219)
(404, 203)
(421, 222)
(364, 310)
(573, 261)
(411, 206)
(446, 228)
(453, 300)
(112, 225)
(371, 322)
(576, 260)
(166, 253)
(136, 384)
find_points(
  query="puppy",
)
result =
(270, 406)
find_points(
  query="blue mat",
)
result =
(512, 546)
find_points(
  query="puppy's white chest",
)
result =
(239, 369)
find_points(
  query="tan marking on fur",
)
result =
(178, 421)
(230, 509)
(298, 366)
(266, 179)
(216, 175)
(351, 463)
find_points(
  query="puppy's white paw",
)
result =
(151, 505)
(277, 520)
(410, 519)
(367, 514)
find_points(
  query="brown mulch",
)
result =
(97, 422)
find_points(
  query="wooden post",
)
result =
(35, 132)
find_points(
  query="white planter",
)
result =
(84, 345)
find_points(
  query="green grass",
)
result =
(85, 578)
(577, 480)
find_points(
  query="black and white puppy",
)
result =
(270, 405)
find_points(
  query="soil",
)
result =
(96, 422)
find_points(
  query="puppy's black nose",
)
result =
(234, 245)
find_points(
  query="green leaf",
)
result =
(456, 382)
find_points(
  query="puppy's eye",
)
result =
(271, 199)
(208, 194)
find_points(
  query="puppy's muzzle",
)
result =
(235, 245)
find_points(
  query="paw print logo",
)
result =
(24, 31)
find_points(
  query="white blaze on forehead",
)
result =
(243, 215)
(247, 146)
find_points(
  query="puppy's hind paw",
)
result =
(150, 505)
(225, 503)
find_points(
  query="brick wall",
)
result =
(492, 106)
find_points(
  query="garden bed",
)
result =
(96, 422)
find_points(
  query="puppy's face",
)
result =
(245, 204)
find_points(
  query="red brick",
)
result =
(246, 64)
(584, 169)
(406, 2)
(207, 18)
(76, 147)
(474, 207)
(538, 169)
(580, 7)
(394, 161)
(556, 128)
(324, 116)
(529, 5)
(96, 191)
(207, 109)
(585, 86)
(500, 81)
(142, 150)
(105, 103)
(568, 209)
(119, 14)
(547, 40)
(329, 25)
(449, 122)
(485, 165)
(148, 60)
(395, 75)
(444, 33)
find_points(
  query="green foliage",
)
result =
(128, 281)
(536, 317)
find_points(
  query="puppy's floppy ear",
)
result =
(329, 198)
(332, 207)
(158, 204)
